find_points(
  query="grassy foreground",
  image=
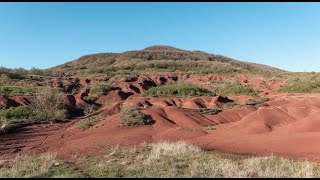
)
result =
(159, 160)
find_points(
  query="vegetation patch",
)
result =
(255, 102)
(90, 99)
(17, 90)
(230, 105)
(89, 121)
(48, 106)
(209, 128)
(99, 90)
(306, 82)
(208, 111)
(131, 116)
(38, 166)
(180, 159)
(15, 115)
(301, 87)
(178, 89)
(160, 160)
(160, 60)
(234, 88)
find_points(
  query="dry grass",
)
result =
(88, 122)
(163, 159)
(173, 149)
(48, 106)
(181, 159)
(29, 166)
(45, 165)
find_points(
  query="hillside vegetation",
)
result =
(178, 89)
(302, 83)
(155, 59)
(159, 59)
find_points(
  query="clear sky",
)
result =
(284, 35)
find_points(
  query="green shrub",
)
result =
(229, 88)
(299, 86)
(208, 111)
(90, 99)
(100, 89)
(4, 80)
(90, 109)
(131, 116)
(48, 106)
(230, 105)
(36, 71)
(178, 89)
(251, 102)
(88, 122)
(255, 102)
(20, 113)
(301, 82)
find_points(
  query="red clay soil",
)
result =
(288, 125)
(14, 101)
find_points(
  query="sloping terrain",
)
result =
(160, 59)
(209, 100)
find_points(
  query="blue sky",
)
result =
(284, 35)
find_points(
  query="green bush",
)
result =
(90, 109)
(255, 102)
(88, 122)
(100, 89)
(178, 89)
(16, 113)
(131, 116)
(230, 105)
(4, 79)
(299, 86)
(251, 102)
(229, 88)
(301, 82)
(208, 111)
(90, 99)
(48, 106)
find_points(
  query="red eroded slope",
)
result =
(288, 125)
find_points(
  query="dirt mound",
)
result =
(278, 126)
(124, 87)
(279, 129)
(181, 102)
(14, 101)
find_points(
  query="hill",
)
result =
(160, 59)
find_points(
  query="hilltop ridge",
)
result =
(160, 58)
